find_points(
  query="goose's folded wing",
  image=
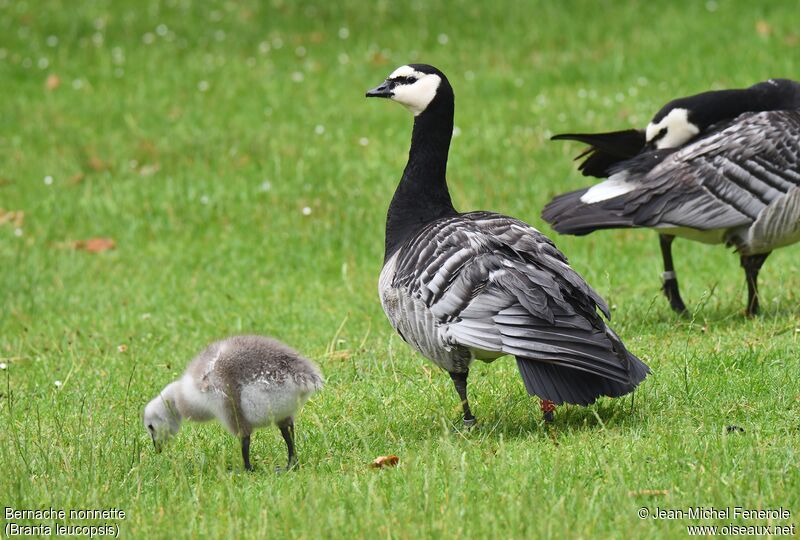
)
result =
(723, 180)
(499, 286)
(525, 311)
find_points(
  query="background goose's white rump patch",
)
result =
(613, 187)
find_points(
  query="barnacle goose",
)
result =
(245, 382)
(479, 285)
(716, 167)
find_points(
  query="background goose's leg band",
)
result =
(669, 277)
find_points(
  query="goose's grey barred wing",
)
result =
(496, 286)
(724, 180)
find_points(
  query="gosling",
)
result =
(245, 382)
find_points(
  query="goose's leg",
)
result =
(752, 264)
(547, 409)
(246, 452)
(287, 431)
(460, 382)
(670, 279)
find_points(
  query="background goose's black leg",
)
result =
(460, 381)
(246, 452)
(547, 409)
(752, 264)
(287, 430)
(670, 279)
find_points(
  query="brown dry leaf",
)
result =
(16, 217)
(175, 113)
(97, 164)
(385, 461)
(122, 348)
(763, 28)
(53, 81)
(340, 355)
(649, 492)
(149, 169)
(378, 58)
(76, 179)
(95, 245)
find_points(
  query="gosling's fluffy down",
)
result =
(245, 382)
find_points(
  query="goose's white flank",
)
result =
(717, 167)
(245, 382)
(460, 287)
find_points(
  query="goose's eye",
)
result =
(403, 80)
(150, 427)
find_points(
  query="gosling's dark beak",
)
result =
(384, 90)
(156, 446)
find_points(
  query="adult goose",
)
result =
(716, 167)
(479, 285)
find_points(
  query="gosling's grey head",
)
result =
(161, 420)
(418, 87)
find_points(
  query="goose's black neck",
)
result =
(708, 108)
(422, 195)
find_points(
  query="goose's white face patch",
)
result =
(415, 90)
(673, 130)
(406, 71)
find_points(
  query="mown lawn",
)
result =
(228, 151)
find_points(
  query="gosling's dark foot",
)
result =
(671, 291)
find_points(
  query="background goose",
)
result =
(479, 285)
(717, 167)
(245, 382)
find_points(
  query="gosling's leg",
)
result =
(460, 382)
(287, 431)
(670, 279)
(752, 264)
(246, 452)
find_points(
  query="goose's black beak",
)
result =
(384, 90)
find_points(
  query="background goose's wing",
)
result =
(498, 286)
(723, 180)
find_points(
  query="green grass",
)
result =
(168, 148)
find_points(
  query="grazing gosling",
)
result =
(245, 382)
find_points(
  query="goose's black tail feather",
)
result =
(568, 215)
(561, 384)
(607, 149)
